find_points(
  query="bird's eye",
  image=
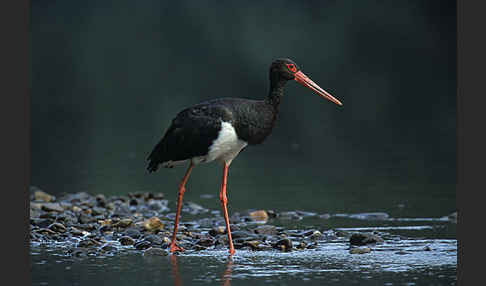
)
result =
(291, 67)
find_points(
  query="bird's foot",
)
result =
(174, 248)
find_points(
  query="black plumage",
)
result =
(219, 129)
(194, 129)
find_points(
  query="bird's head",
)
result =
(286, 69)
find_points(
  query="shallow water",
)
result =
(415, 252)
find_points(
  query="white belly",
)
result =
(225, 147)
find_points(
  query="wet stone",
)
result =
(266, 230)
(132, 232)
(43, 196)
(360, 250)
(97, 211)
(144, 244)
(42, 223)
(109, 247)
(217, 231)
(57, 227)
(52, 207)
(126, 240)
(85, 218)
(206, 242)
(154, 239)
(153, 224)
(364, 238)
(283, 245)
(123, 223)
(259, 215)
(88, 243)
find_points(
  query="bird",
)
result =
(219, 129)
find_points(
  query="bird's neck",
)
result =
(276, 92)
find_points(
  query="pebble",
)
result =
(144, 244)
(52, 207)
(153, 224)
(215, 231)
(126, 240)
(283, 245)
(154, 239)
(360, 250)
(43, 196)
(266, 230)
(132, 232)
(259, 215)
(123, 223)
(57, 227)
(92, 225)
(364, 238)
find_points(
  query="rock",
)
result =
(314, 234)
(283, 245)
(266, 230)
(132, 232)
(42, 223)
(77, 232)
(260, 215)
(97, 211)
(360, 250)
(88, 243)
(52, 207)
(85, 218)
(153, 224)
(43, 197)
(57, 227)
(35, 206)
(155, 251)
(109, 247)
(301, 245)
(126, 240)
(253, 244)
(106, 228)
(364, 238)
(427, 248)
(206, 241)
(271, 214)
(144, 244)
(154, 239)
(215, 231)
(123, 223)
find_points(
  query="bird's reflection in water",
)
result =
(225, 278)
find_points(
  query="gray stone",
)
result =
(52, 207)
(364, 238)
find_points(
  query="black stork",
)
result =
(219, 129)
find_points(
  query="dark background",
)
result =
(107, 78)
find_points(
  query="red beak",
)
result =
(301, 78)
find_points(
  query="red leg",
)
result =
(182, 189)
(224, 200)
